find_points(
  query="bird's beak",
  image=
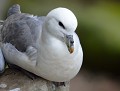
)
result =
(70, 43)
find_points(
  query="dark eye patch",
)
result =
(61, 24)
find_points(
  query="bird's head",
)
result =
(62, 23)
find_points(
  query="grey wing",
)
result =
(21, 30)
(18, 34)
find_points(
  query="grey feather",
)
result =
(2, 62)
(1, 22)
(14, 9)
(22, 30)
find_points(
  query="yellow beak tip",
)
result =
(71, 50)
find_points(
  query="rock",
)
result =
(14, 80)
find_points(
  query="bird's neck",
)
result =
(52, 44)
(48, 37)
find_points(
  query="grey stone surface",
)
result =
(14, 80)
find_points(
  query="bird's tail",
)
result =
(14, 9)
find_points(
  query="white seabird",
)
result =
(46, 46)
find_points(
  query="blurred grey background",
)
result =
(99, 32)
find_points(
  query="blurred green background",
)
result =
(99, 32)
(98, 29)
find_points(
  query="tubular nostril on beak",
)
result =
(71, 41)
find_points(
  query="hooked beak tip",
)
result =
(71, 50)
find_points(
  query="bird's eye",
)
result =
(61, 24)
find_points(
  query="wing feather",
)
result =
(21, 30)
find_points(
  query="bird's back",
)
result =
(21, 29)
